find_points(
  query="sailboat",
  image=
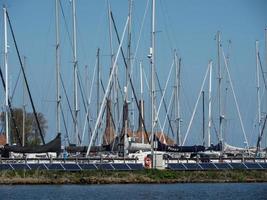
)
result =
(52, 146)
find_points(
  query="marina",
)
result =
(124, 113)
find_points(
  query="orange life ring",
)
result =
(148, 162)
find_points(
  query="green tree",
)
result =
(32, 134)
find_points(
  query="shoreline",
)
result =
(40, 177)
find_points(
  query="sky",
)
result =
(189, 26)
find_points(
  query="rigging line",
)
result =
(91, 88)
(108, 88)
(2, 129)
(225, 111)
(141, 30)
(262, 72)
(66, 25)
(159, 123)
(112, 119)
(64, 123)
(68, 102)
(100, 124)
(103, 88)
(169, 106)
(111, 115)
(89, 99)
(235, 99)
(84, 103)
(171, 114)
(163, 98)
(119, 86)
(194, 111)
(16, 84)
(25, 79)
(166, 25)
(260, 136)
(147, 84)
(11, 109)
(65, 92)
(216, 131)
(130, 79)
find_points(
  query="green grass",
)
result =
(142, 176)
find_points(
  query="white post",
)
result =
(209, 123)
(6, 75)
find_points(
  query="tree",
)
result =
(32, 135)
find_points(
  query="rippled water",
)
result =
(236, 191)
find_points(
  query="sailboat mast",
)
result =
(75, 62)
(115, 78)
(258, 88)
(23, 106)
(203, 117)
(142, 102)
(153, 97)
(98, 86)
(220, 84)
(266, 74)
(129, 47)
(58, 68)
(6, 75)
(209, 109)
(126, 77)
(179, 100)
(177, 97)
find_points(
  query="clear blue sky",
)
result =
(189, 26)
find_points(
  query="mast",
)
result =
(98, 86)
(23, 106)
(58, 128)
(177, 97)
(142, 103)
(220, 84)
(6, 75)
(203, 117)
(153, 96)
(179, 100)
(107, 90)
(265, 76)
(209, 124)
(126, 77)
(75, 63)
(258, 88)
(129, 48)
(87, 93)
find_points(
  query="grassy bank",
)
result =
(114, 177)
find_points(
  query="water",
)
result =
(236, 191)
